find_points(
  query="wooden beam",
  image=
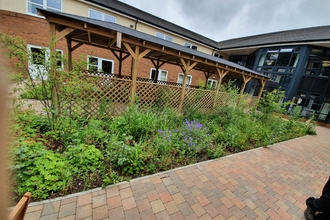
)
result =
(64, 33)
(69, 46)
(263, 83)
(137, 42)
(187, 67)
(246, 79)
(119, 37)
(111, 42)
(76, 46)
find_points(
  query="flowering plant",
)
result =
(189, 139)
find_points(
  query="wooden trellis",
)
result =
(110, 96)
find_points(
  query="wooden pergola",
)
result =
(124, 42)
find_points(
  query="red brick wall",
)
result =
(35, 31)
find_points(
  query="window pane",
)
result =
(271, 59)
(283, 59)
(180, 78)
(194, 47)
(153, 74)
(262, 60)
(168, 38)
(95, 14)
(55, 4)
(160, 35)
(59, 58)
(109, 18)
(294, 60)
(106, 66)
(188, 82)
(162, 76)
(38, 56)
(40, 2)
(187, 45)
(32, 8)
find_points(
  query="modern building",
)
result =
(295, 60)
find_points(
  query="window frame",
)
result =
(158, 77)
(190, 45)
(99, 63)
(188, 77)
(35, 66)
(102, 15)
(216, 54)
(163, 36)
(212, 81)
(44, 6)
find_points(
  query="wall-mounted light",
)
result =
(326, 63)
(131, 26)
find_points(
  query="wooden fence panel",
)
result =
(110, 96)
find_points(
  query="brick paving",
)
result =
(264, 183)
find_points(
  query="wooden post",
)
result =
(52, 73)
(157, 65)
(246, 79)
(186, 67)
(69, 46)
(221, 74)
(136, 57)
(120, 58)
(263, 83)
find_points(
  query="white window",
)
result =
(212, 84)
(189, 45)
(38, 58)
(101, 65)
(32, 5)
(162, 74)
(164, 36)
(180, 79)
(217, 55)
(101, 16)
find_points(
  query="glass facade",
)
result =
(302, 71)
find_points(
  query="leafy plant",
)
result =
(39, 170)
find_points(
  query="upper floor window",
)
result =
(189, 45)
(101, 16)
(164, 36)
(43, 4)
(217, 55)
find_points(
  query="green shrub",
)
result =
(39, 171)
(84, 158)
(128, 156)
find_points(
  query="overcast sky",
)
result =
(227, 19)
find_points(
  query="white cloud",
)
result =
(226, 19)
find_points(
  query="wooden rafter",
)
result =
(170, 55)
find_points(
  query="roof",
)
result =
(304, 35)
(154, 20)
(143, 36)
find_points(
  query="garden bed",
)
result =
(74, 155)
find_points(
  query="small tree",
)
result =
(273, 101)
(60, 92)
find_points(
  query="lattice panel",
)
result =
(155, 95)
(226, 99)
(110, 96)
(199, 99)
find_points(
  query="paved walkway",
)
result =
(265, 183)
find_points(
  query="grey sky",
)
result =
(227, 19)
